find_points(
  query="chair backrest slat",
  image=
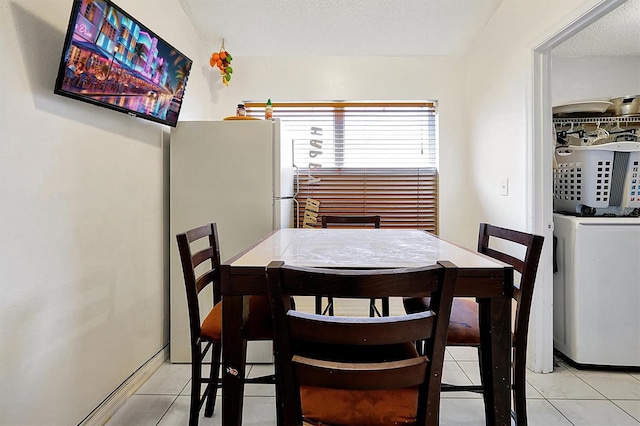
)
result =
(199, 232)
(353, 283)
(361, 331)
(351, 220)
(517, 264)
(202, 256)
(205, 279)
(365, 376)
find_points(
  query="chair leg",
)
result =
(385, 307)
(373, 309)
(519, 393)
(486, 396)
(480, 365)
(196, 375)
(213, 377)
(329, 308)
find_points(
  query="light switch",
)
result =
(504, 186)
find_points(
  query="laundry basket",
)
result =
(597, 177)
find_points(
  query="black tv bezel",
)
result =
(58, 89)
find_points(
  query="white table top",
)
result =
(360, 248)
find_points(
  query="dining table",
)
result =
(479, 276)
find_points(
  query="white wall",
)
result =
(500, 66)
(367, 78)
(594, 77)
(83, 290)
(501, 144)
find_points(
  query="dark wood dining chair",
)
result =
(464, 328)
(200, 257)
(350, 222)
(359, 370)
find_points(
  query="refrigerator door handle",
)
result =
(296, 186)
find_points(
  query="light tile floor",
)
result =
(567, 396)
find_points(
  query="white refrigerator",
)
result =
(596, 290)
(238, 174)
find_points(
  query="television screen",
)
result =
(111, 60)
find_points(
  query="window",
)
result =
(109, 31)
(90, 12)
(374, 158)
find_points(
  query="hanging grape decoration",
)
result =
(222, 60)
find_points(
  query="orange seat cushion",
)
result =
(259, 325)
(211, 328)
(464, 325)
(364, 408)
(359, 407)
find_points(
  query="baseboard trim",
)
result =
(103, 412)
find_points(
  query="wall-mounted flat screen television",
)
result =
(111, 60)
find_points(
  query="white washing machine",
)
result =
(596, 306)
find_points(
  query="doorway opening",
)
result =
(541, 150)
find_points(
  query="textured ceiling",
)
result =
(381, 27)
(616, 34)
(340, 27)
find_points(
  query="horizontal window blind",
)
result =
(355, 158)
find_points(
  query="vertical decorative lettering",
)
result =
(312, 207)
(310, 213)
